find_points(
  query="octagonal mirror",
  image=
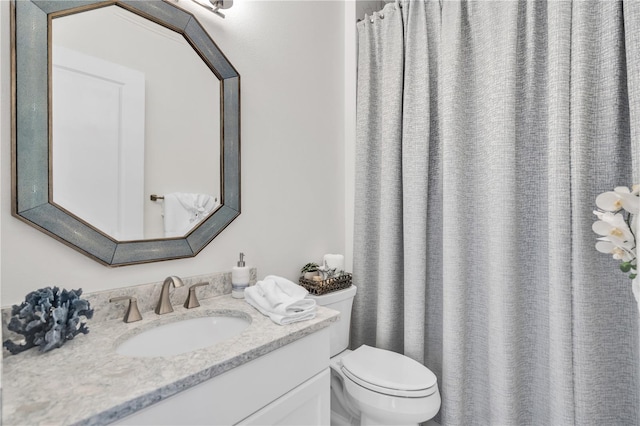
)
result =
(126, 133)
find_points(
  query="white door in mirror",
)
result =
(99, 166)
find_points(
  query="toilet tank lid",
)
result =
(334, 296)
(387, 369)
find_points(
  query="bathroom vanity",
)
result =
(266, 374)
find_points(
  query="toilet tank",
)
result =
(342, 301)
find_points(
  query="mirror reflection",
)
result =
(127, 123)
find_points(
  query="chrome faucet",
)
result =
(164, 304)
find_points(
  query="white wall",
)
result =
(290, 56)
(352, 10)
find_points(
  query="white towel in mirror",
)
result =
(182, 211)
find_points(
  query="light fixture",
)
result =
(215, 5)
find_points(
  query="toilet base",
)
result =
(340, 416)
(368, 421)
(338, 419)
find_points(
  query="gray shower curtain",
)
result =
(485, 130)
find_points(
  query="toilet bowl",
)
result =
(372, 386)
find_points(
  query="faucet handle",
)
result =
(164, 303)
(192, 299)
(133, 313)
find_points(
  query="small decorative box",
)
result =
(328, 285)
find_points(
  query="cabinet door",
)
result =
(307, 404)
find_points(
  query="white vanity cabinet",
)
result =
(287, 386)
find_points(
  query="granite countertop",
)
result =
(87, 382)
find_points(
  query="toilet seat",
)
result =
(389, 373)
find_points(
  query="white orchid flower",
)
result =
(630, 200)
(620, 197)
(617, 221)
(619, 253)
(615, 228)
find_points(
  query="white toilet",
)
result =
(371, 386)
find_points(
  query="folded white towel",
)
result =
(182, 211)
(281, 300)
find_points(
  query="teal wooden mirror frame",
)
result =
(31, 133)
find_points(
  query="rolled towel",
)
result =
(286, 296)
(281, 300)
(282, 319)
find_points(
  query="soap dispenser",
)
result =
(239, 279)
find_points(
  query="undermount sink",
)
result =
(183, 336)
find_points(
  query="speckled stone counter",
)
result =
(87, 382)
